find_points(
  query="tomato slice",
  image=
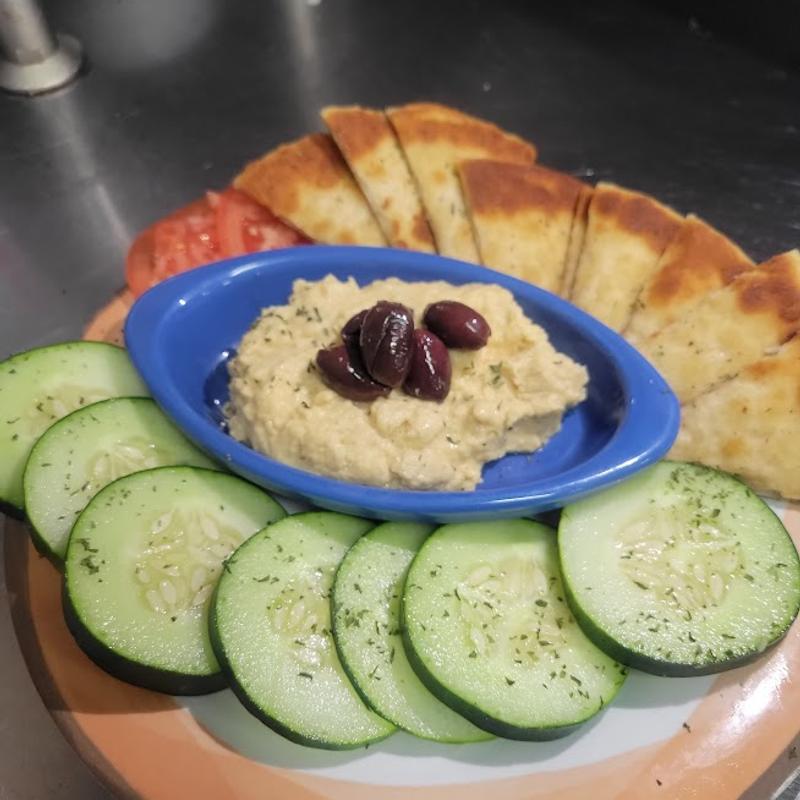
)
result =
(217, 226)
(185, 239)
(139, 263)
(246, 227)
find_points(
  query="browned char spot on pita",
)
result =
(638, 214)
(434, 140)
(358, 131)
(733, 447)
(698, 259)
(308, 184)
(767, 367)
(421, 228)
(430, 122)
(495, 187)
(729, 329)
(772, 287)
(626, 234)
(521, 216)
(276, 179)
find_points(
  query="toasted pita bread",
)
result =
(307, 184)
(577, 235)
(435, 139)
(373, 154)
(626, 233)
(521, 216)
(698, 260)
(730, 328)
(750, 425)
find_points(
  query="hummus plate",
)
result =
(181, 334)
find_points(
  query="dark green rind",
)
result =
(158, 680)
(256, 710)
(39, 542)
(12, 511)
(665, 669)
(6, 506)
(653, 666)
(40, 546)
(251, 705)
(126, 669)
(367, 702)
(22, 354)
(356, 685)
(478, 716)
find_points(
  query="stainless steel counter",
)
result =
(179, 93)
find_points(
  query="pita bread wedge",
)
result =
(307, 184)
(626, 233)
(373, 154)
(750, 425)
(577, 235)
(730, 328)
(521, 216)
(698, 260)
(435, 139)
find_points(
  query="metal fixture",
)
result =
(32, 59)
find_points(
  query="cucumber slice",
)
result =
(681, 570)
(270, 627)
(41, 386)
(141, 564)
(366, 629)
(488, 630)
(87, 450)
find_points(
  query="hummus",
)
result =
(509, 396)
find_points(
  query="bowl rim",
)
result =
(634, 445)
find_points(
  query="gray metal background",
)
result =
(180, 93)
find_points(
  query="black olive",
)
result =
(429, 375)
(385, 340)
(351, 333)
(346, 376)
(457, 325)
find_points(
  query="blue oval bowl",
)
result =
(181, 333)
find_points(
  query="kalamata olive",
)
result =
(457, 325)
(351, 332)
(346, 375)
(385, 341)
(429, 375)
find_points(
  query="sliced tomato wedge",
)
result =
(246, 227)
(185, 239)
(217, 226)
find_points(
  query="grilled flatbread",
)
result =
(307, 184)
(730, 328)
(435, 139)
(577, 235)
(373, 154)
(521, 216)
(698, 260)
(750, 425)
(626, 234)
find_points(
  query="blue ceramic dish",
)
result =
(181, 333)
